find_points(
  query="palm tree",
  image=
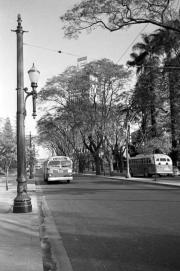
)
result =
(167, 44)
(144, 60)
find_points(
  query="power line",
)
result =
(131, 43)
(76, 55)
(52, 50)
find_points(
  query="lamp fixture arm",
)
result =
(32, 93)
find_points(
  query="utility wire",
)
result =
(52, 50)
(131, 43)
(75, 55)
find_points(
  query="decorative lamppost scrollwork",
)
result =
(33, 76)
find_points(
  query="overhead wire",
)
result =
(76, 55)
(131, 43)
(52, 50)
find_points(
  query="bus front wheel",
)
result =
(68, 181)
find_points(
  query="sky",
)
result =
(45, 37)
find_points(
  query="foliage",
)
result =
(30, 152)
(7, 146)
(155, 100)
(115, 15)
(160, 144)
(94, 95)
(55, 135)
(156, 94)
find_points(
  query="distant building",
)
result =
(81, 62)
(76, 94)
(89, 85)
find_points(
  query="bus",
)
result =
(58, 168)
(150, 164)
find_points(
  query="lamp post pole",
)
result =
(127, 151)
(31, 158)
(22, 202)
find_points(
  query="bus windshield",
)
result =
(54, 163)
(65, 163)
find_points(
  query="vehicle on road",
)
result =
(58, 168)
(150, 164)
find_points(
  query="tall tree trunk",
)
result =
(153, 121)
(152, 106)
(111, 168)
(97, 164)
(173, 113)
(7, 173)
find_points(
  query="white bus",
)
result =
(150, 164)
(58, 168)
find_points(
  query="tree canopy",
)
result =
(85, 118)
(7, 145)
(118, 14)
(157, 62)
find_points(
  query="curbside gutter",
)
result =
(172, 183)
(55, 257)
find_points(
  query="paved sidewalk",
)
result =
(20, 248)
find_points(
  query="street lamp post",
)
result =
(22, 202)
(30, 158)
(127, 151)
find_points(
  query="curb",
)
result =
(122, 178)
(54, 254)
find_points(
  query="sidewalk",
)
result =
(19, 233)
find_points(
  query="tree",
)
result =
(54, 135)
(106, 88)
(167, 44)
(145, 59)
(30, 154)
(8, 148)
(91, 96)
(115, 15)
(158, 85)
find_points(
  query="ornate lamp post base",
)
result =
(22, 203)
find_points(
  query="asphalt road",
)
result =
(116, 225)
